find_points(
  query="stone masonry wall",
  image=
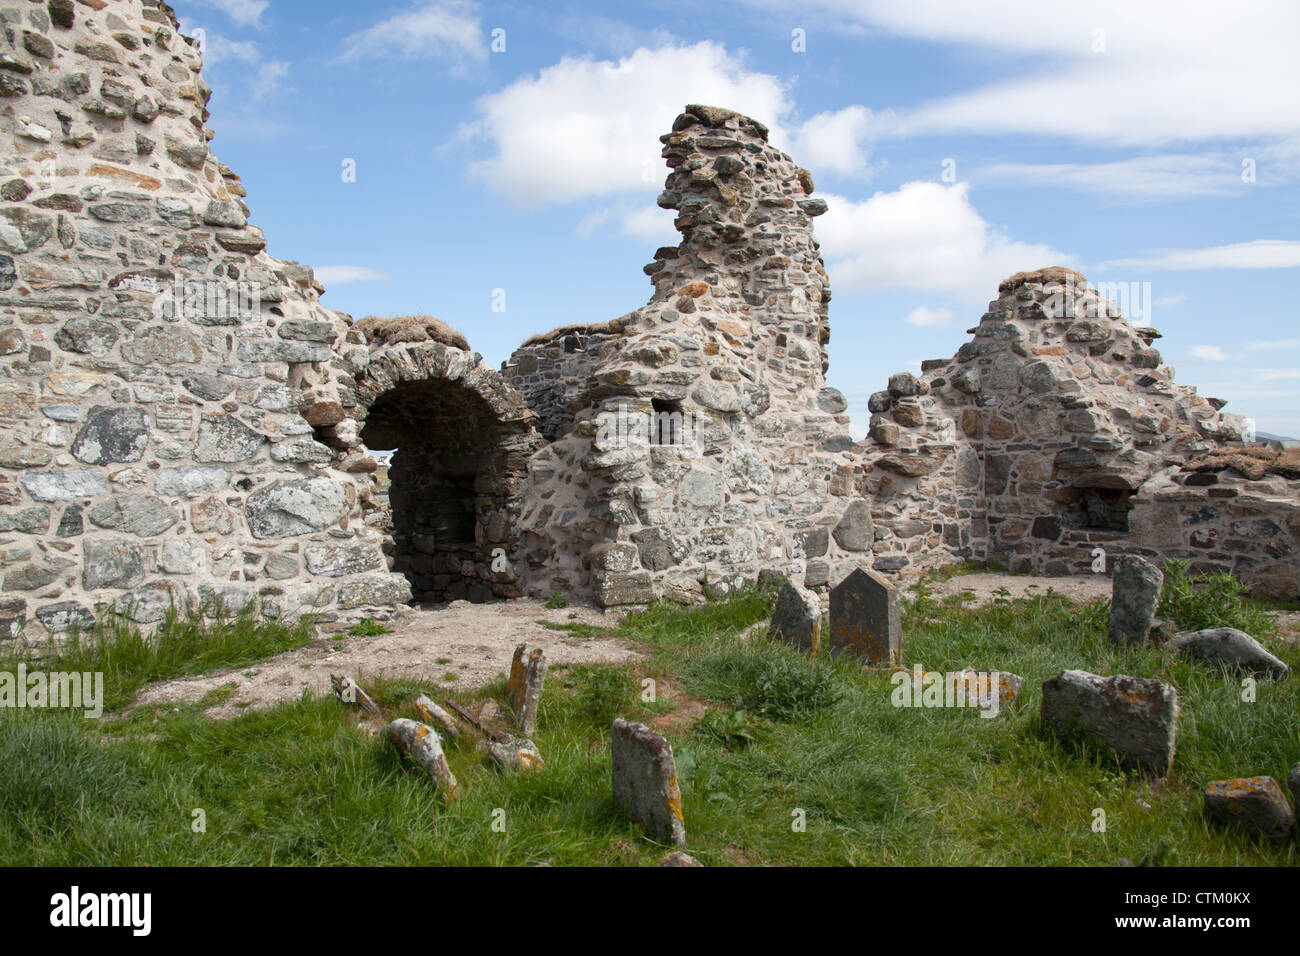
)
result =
(163, 381)
(731, 347)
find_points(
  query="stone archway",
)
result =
(463, 438)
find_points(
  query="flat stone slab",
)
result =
(1232, 648)
(645, 781)
(1136, 717)
(866, 619)
(1254, 805)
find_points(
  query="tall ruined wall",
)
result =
(758, 472)
(1057, 430)
(163, 381)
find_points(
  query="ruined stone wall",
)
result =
(732, 343)
(1057, 430)
(554, 372)
(171, 421)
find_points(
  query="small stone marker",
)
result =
(527, 675)
(645, 781)
(513, 754)
(1231, 647)
(1134, 716)
(434, 714)
(349, 692)
(1004, 684)
(865, 619)
(1135, 595)
(1254, 805)
(421, 743)
(797, 618)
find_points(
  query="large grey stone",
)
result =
(854, 531)
(1135, 717)
(701, 488)
(645, 781)
(65, 616)
(87, 335)
(111, 564)
(64, 485)
(1254, 805)
(1135, 595)
(111, 435)
(866, 619)
(150, 603)
(797, 618)
(338, 560)
(191, 481)
(1232, 648)
(142, 515)
(716, 396)
(374, 590)
(29, 520)
(22, 230)
(289, 508)
(225, 439)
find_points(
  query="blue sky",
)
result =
(510, 146)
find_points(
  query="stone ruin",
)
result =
(182, 423)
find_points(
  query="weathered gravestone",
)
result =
(1230, 648)
(797, 618)
(865, 619)
(422, 744)
(1254, 805)
(1135, 595)
(1134, 716)
(645, 781)
(527, 675)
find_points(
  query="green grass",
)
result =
(311, 782)
(130, 658)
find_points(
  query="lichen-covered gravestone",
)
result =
(1254, 805)
(1135, 595)
(866, 621)
(645, 781)
(797, 618)
(527, 675)
(1134, 716)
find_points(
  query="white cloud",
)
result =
(1274, 345)
(268, 78)
(217, 48)
(925, 317)
(651, 224)
(1257, 254)
(438, 29)
(1169, 301)
(1211, 353)
(344, 275)
(1277, 374)
(924, 236)
(586, 128)
(247, 13)
(1143, 177)
(834, 141)
(1170, 70)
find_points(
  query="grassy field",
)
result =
(784, 737)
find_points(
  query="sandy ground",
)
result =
(1079, 588)
(475, 642)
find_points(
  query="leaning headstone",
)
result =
(434, 714)
(1134, 716)
(645, 781)
(527, 675)
(422, 744)
(1231, 647)
(797, 618)
(1135, 595)
(1254, 805)
(349, 692)
(866, 620)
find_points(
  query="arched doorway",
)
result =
(461, 439)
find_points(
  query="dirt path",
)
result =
(475, 642)
(1079, 588)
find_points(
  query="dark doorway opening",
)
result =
(1101, 509)
(445, 439)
